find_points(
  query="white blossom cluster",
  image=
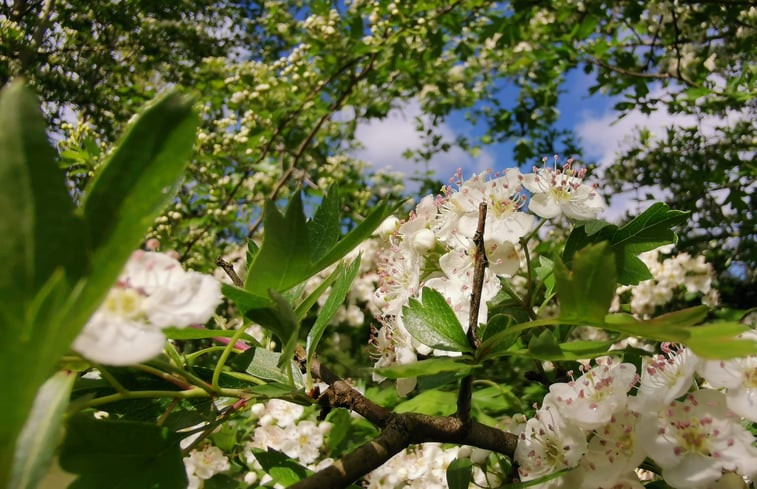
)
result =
(419, 467)
(282, 426)
(592, 426)
(434, 247)
(152, 293)
(203, 463)
(671, 276)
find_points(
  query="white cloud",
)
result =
(384, 141)
(604, 136)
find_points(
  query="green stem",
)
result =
(173, 354)
(190, 377)
(191, 357)
(246, 377)
(112, 380)
(530, 281)
(225, 356)
(187, 394)
(181, 383)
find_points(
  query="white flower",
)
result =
(592, 399)
(613, 453)
(548, 443)
(739, 377)
(561, 191)
(399, 279)
(457, 283)
(663, 379)
(207, 462)
(153, 292)
(422, 467)
(694, 441)
(303, 441)
(284, 412)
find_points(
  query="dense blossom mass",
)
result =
(594, 426)
(434, 247)
(153, 292)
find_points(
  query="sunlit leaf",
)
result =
(433, 322)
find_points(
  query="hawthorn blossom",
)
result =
(278, 428)
(419, 467)
(549, 443)
(592, 399)
(739, 377)
(694, 441)
(153, 292)
(562, 191)
(613, 453)
(664, 377)
(434, 248)
(457, 282)
(204, 463)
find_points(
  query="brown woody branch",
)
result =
(229, 269)
(398, 431)
(480, 263)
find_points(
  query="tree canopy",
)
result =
(282, 86)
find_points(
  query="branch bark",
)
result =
(480, 263)
(399, 430)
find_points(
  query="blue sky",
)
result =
(591, 117)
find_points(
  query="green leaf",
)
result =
(288, 330)
(323, 229)
(433, 402)
(719, 341)
(283, 260)
(201, 333)
(586, 292)
(44, 253)
(291, 253)
(338, 293)
(40, 232)
(134, 186)
(42, 431)
(460, 473)
(430, 366)
(281, 468)
(683, 318)
(121, 455)
(545, 346)
(353, 238)
(545, 272)
(587, 26)
(245, 300)
(659, 331)
(433, 323)
(252, 250)
(264, 365)
(308, 302)
(648, 231)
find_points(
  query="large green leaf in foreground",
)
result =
(59, 262)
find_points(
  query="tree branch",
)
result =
(465, 394)
(399, 430)
(229, 269)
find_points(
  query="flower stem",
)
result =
(225, 356)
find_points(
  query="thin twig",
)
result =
(229, 269)
(480, 263)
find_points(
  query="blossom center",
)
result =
(692, 436)
(124, 301)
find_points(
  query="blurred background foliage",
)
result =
(282, 86)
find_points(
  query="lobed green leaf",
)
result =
(433, 322)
